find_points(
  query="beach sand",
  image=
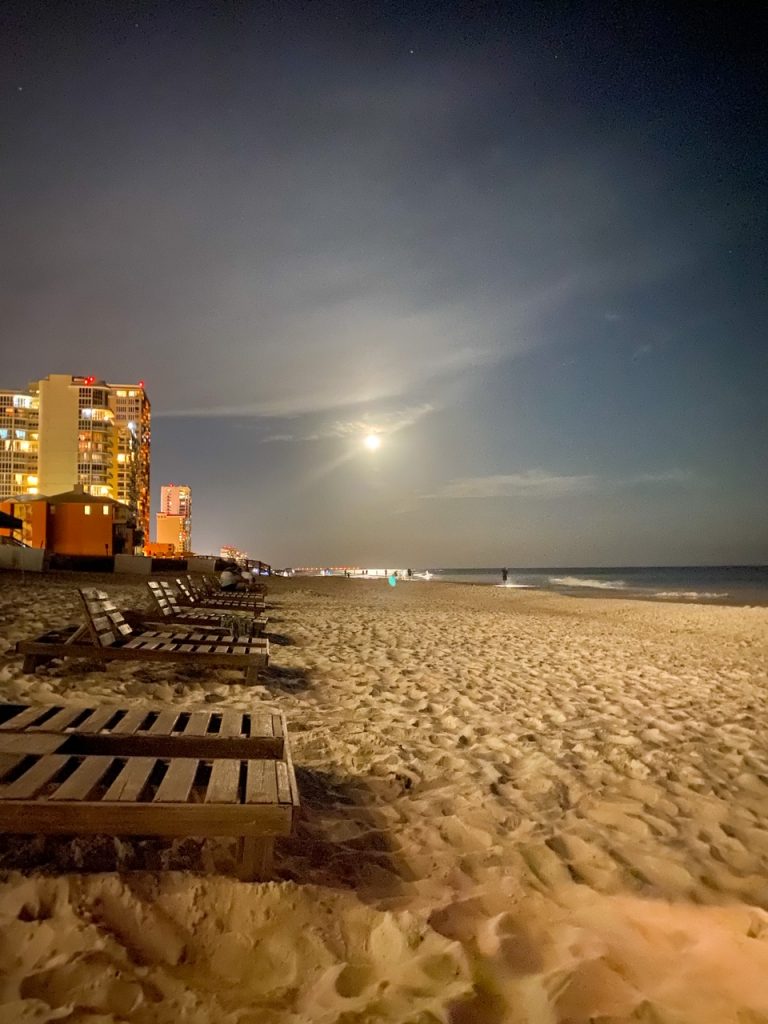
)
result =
(518, 808)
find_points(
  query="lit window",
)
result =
(32, 480)
(121, 457)
(131, 394)
(33, 490)
(121, 394)
(105, 510)
(86, 510)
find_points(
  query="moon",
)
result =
(372, 442)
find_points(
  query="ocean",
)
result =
(712, 584)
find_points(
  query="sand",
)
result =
(517, 807)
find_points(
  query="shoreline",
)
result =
(750, 599)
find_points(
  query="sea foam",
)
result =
(581, 581)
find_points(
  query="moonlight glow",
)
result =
(372, 442)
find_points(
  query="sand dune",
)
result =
(518, 807)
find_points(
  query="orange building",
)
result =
(155, 550)
(73, 523)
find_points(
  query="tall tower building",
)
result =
(174, 520)
(78, 436)
(19, 437)
(132, 410)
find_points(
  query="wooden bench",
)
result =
(172, 613)
(112, 638)
(226, 602)
(149, 771)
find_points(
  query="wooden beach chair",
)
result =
(111, 638)
(225, 601)
(171, 613)
(149, 771)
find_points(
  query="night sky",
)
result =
(523, 243)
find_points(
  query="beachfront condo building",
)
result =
(174, 520)
(19, 438)
(70, 430)
(132, 417)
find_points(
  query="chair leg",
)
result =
(252, 674)
(31, 661)
(255, 858)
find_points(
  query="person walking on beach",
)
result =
(504, 575)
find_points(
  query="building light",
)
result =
(105, 510)
(32, 480)
(86, 510)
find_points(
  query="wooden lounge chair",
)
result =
(113, 639)
(172, 614)
(143, 771)
(227, 602)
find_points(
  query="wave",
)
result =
(582, 581)
(686, 595)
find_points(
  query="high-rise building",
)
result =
(72, 430)
(19, 435)
(132, 416)
(176, 500)
(78, 436)
(174, 520)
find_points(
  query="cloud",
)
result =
(537, 483)
(666, 476)
(381, 423)
(389, 422)
(533, 483)
(641, 351)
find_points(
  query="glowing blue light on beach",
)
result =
(392, 581)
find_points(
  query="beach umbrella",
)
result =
(9, 522)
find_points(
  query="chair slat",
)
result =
(198, 723)
(260, 782)
(178, 781)
(33, 780)
(130, 722)
(97, 720)
(164, 723)
(85, 778)
(132, 779)
(223, 784)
